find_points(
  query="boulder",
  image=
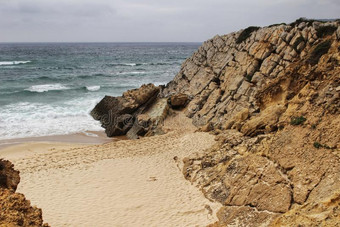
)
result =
(9, 177)
(179, 101)
(117, 114)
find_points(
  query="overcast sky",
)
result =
(147, 20)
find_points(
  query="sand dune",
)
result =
(124, 183)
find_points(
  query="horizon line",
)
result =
(5, 42)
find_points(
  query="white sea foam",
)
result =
(128, 73)
(46, 87)
(91, 134)
(26, 119)
(130, 64)
(93, 88)
(13, 62)
(159, 83)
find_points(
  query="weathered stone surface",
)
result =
(266, 54)
(178, 101)
(243, 216)
(264, 122)
(9, 177)
(207, 128)
(238, 119)
(149, 122)
(263, 169)
(201, 80)
(320, 213)
(255, 181)
(117, 114)
(15, 210)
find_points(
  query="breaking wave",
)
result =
(13, 62)
(46, 87)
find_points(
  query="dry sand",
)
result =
(124, 183)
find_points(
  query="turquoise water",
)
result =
(50, 88)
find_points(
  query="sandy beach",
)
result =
(89, 137)
(123, 183)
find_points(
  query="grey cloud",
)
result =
(36, 8)
(147, 20)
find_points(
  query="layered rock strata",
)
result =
(273, 99)
(118, 115)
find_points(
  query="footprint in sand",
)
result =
(152, 179)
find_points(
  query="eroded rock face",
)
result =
(15, 210)
(255, 181)
(149, 122)
(179, 101)
(243, 216)
(276, 161)
(242, 70)
(118, 114)
(274, 102)
(320, 213)
(9, 177)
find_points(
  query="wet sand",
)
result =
(90, 137)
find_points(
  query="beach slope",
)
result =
(124, 183)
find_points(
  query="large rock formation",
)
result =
(272, 95)
(224, 76)
(118, 115)
(15, 210)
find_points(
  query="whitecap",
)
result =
(133, 64)
(13, 62)
(92, 88)
(26, 119)
(159, 83)
(133, 73)
(127, 64)
(46, 87)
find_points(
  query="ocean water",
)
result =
(50, 88)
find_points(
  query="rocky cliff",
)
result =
(15, 209)
(272, 96)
